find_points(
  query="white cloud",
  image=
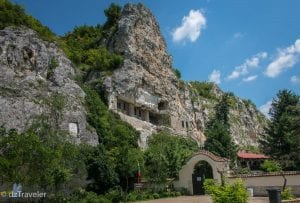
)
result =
(295, 80)
(215, 77)
(250, 78)
(190, 27)
(243, 69)
(238, 35)
(285, 59)
(266, 108)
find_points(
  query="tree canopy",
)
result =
(14, 15)
(219, 140)
(166, 154)
(281, 139)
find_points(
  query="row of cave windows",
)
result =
(185, 124)
(154, 118)
(125, 107)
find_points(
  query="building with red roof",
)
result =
(251, 160)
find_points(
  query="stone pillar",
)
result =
(112, 102)
(131, 109)
(146, 115)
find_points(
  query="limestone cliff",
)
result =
(147, 94)
(36, 79)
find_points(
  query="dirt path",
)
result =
(199, 199)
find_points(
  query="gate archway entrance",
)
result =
(200, 166)
(202, 171)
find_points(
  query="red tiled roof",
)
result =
(246, 155)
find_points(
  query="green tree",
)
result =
(166, 154)
(14, 15)
(281, 140)
(270, 166)
(29, 159)
(177, 73)
(101, 170)
(127, 167)
(119, 141)
(219, 140)
(113, 14)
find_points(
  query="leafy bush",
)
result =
(177, 73)
(52, 65)
(113, 14)
(287, 194)
(177, 193)
(39, 157)
(81, 196)
(156, 195)
(166, 155)
(241, 170)
(147, 195)
(14, 15)
(115, 195)
(120, 145)
(270, 166)
(204, 89)
(229, 193)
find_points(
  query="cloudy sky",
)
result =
(251, 48)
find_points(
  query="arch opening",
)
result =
(202, 170)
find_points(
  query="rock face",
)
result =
(148, 95)
(246, 122)
(145, 90)
(35, 80)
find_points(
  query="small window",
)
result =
(187, 124)
(73, 129)
(119, 105)
(182, 124)
(163, 105)
(137, 111)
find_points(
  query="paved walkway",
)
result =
(199, 199)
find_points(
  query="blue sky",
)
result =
(247, 47)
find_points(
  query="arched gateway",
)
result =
(201, 165)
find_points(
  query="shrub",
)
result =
(177, 194)
(115, 195)
(81, 196)
(229, 193)
(270, 166)
(177, 73)
(14, 15)
(155, 195)
(131, 197)
(52, 65)
(204, 89)
(287, 194)
(241, 170)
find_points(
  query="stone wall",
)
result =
(261, 182)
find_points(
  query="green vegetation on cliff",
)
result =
(219, 139)
(85, 46)
(204, 89)
(14, 15)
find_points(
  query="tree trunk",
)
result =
(284, 183)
